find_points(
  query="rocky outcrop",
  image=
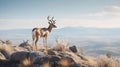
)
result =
(63, 56)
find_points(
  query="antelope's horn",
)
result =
(48, 18)
(52, 18)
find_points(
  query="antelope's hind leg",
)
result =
(33, 43)
(46, 43)
(37, 38)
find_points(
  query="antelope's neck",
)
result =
(50, 28)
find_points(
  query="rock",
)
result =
(73, 49)
(51, 52)
(61, 55)
(19, 56)
(8, 63)
(109, 54)
(82, 57)
(54, 58)
(25, 43)
(2, 56)
(36, 55)
(6, 54)
(54, 61)
(75, 65)
(69, 59)
(66, 61)
(42, 60)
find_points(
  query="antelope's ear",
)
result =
(49, 23)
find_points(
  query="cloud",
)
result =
(109, 17)
(107, 23)
(108, 11)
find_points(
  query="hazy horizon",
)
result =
(94, 41)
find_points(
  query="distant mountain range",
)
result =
(89, 31)
(93, 40)
(71, 30)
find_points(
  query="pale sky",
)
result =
(18, 14)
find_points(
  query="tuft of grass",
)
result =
(62, 46)
(104, 61)
(75, 57)
(91, 61)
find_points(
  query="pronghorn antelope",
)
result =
(43, 32)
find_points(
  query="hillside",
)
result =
(59, 55)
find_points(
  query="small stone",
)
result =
(73, 49)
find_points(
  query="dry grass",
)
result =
(91, 61)
(75, 57)
(104, 61)
(62, 46)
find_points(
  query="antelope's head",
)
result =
(52, 22)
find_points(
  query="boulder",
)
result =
(54, 61)
(19, 56)
(8, 63)
(42, 60)
(73, 49)
(54, 58)
(51, 52)
(36, 55)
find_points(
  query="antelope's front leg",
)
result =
(37, 38)
(46, 42)
(43, 42)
